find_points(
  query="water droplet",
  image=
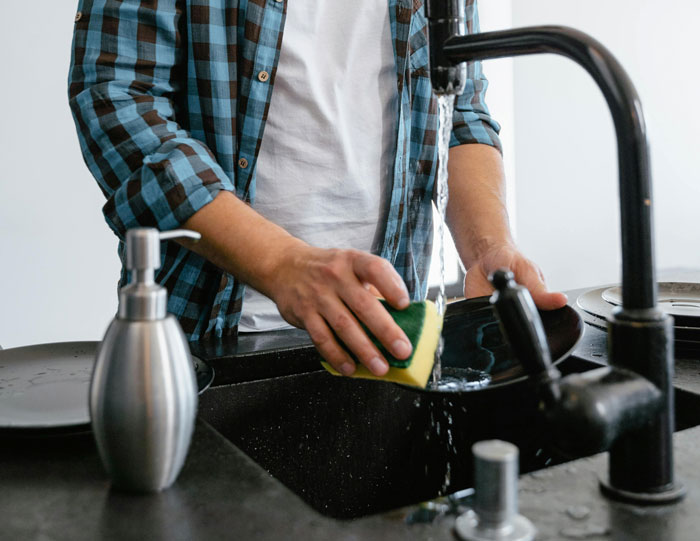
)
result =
(578, 512)
(448, 475)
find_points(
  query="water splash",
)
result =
(461, 379)
(445, 109)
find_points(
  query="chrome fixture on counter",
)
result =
(495, 515)
(640, 336)
(143, 394)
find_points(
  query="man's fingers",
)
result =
(346, 327)
(378, 321)
(328, 347)
(476, 284)
(381, 274)
(546, 300)
(373, 290)
(530, 275)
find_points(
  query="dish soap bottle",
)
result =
(143, 393)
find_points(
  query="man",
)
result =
(316, 194)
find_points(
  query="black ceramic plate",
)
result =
(44, 388)
(679, 299)
(474, 344)
(686, 328)
(686, 339)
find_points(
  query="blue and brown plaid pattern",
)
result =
(170, 99)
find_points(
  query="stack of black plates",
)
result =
(44, 388)
(678, 299)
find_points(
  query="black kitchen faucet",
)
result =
(627, 408)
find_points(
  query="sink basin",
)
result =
(353, 447)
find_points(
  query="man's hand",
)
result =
(329, 292)
(527, 273)
(326, 292)
(476, 214)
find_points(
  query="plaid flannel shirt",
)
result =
(170, 99)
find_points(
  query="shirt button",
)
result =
(242, 163)
(263, 76)
(78, 16)
(278, 1)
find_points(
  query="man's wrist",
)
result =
(285, 252)
(480, 248)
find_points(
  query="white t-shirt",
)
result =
(326, 159)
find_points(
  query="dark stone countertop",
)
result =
(56, 489)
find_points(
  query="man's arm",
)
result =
(478, 220)
(476, 209)
(323, 291)
(154, 173)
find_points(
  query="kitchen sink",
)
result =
(351, 447)
(354, 447)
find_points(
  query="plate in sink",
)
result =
(44, 388)
(476, 355)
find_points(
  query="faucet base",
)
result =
(468, 528)
(672, 494)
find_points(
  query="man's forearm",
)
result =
(240, 241)
(476, 209)
(326, 292)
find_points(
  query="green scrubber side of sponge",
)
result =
(422, 325)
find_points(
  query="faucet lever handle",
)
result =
(521, 324)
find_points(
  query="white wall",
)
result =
(59, 264)
(497, 15)
(566, 172)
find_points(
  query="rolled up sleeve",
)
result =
(126, 70)
(471, 121)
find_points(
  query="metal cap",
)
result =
(496, 481)
(495, 514)
(143, 299)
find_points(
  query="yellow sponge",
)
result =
(422, 325)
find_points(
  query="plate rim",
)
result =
(70, 428)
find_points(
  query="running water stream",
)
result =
(445, 109)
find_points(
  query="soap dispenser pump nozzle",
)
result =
(142, 299)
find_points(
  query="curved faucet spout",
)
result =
(638, 279)
(640, 336)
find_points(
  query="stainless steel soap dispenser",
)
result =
(143, 393)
